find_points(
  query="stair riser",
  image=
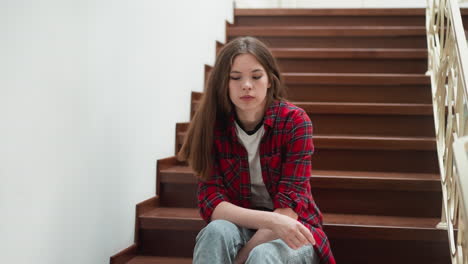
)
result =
(333, 200)
(373, 125)
(182, 243)
(330, 21)
(344, 42)
(418, 94)
(390, 252)
(377, 125)
(376, 160)
(178, 195)
(165, 243)
(353, 65)
(378, 202)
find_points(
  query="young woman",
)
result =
(251, 150)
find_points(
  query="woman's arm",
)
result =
(262, 236)
(292, 232)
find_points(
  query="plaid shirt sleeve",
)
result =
(210, 193)
(294, 185)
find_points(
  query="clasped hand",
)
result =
(292, 232)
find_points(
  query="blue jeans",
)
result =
(220, 240)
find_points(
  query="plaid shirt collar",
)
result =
(270, 118)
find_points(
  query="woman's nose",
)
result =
(247, 86)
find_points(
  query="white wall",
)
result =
(90, 91)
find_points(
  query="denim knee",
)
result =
(218, 229)
(263, 253)
(217, 243)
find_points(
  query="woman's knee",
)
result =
(263, 253)
(218, 229)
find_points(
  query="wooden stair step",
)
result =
(343, 225)
(340, 41)
(415, 238)
(330, 17)
(351, 60)
(159, 260)
(358, 12)
(368, 142)
(360, 125)
(357, 93)
(375, 143)
(363, 192)
(371, 79)
(323, 31)
(180, 174)
(376, 180)
(349, 53)
(364, 119)
(355, 78)
(360, 108)
(365, 108)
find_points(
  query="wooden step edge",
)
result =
(374, 143)
(306, 31)
(369, 142)
(367, 226)
(346, 108)
(159, 260)
(365, 108)
(408, 176)
(356, 79)
(348, 53)
(125, 255)
(340, 179)
(187, 173)
(351, 79)
(330, 12)
(192, 214)
(334, 11)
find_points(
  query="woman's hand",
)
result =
(242, 256)
(292, 232)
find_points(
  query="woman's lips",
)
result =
(246, 97)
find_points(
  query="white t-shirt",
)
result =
(260, 195)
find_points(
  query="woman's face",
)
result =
(248, 84)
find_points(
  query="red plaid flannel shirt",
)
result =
(285, 158)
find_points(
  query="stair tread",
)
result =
(355, 78)
(328, 219)
(322, 31)
(367, 108)
(354, 53)
(180, 174)
(334, 11)
(370, 142)
(329, 12)
(159, 260)
(362, 108)
(341, 174)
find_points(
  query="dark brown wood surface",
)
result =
(360, 76)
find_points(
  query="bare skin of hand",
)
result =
(292, 232)
(261, 236)
(242, 256)
(282, 226)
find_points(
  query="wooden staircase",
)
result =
(359, 74)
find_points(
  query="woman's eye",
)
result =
(255, 77)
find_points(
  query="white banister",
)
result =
(448, 68)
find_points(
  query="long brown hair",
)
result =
(215, 103)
